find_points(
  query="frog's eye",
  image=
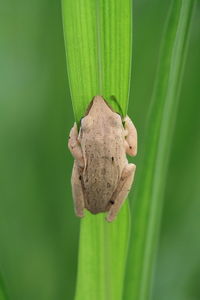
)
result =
(86, 123)
(121, 118)
(115, 121)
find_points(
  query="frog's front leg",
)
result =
(77, 190)
(121, 191)
(130, 137)
(74, 146)
(76, 180)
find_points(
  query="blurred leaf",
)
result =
(153, 167)
(98, 46)
(2, 290)
(179, 246)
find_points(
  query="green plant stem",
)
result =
(153, 167)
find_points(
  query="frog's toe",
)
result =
(110, 218)
(80, 214)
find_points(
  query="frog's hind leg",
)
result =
(121, 191)
(77, 190)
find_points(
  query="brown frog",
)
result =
(102, 176)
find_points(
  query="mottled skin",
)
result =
(102, 176)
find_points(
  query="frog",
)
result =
(102, 176)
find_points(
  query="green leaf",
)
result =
(98, 46)
(102, 256)
(153, 166)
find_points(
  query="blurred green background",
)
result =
(38, 229)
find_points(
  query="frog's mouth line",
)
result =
(89, 106)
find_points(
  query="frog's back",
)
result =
(102, 172)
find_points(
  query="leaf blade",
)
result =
(98, 46)
(99, 64)
(153, 167)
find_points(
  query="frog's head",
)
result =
(99, 112)
(98, 106)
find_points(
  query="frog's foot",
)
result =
(130, 137)
(77, 190)
(121, 191)
(74, 145)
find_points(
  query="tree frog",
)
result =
(101, 176)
